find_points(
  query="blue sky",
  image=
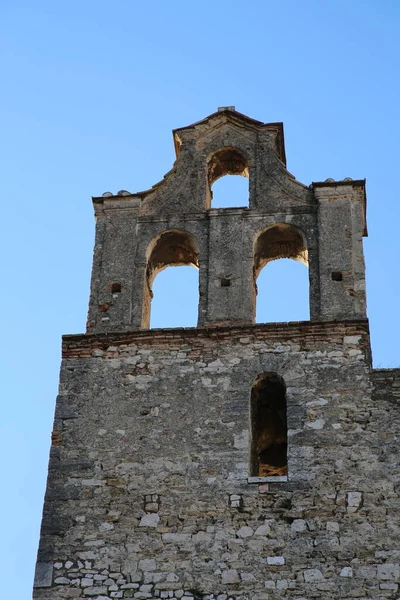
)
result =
(90, 94)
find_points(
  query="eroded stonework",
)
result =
(150, 483)
(150, 491)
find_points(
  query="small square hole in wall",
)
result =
(337, 276)
(225, 282)
(115, 288)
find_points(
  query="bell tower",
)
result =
(233, 459)
(174, 223)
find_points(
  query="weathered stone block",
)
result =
(230, 576)
(388, 571)
(43, 575)
(312, 575)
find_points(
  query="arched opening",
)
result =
(175, 298)
(172, 248)
(268, 415)
(282, 288)
(225, 189)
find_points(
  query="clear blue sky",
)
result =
(90, 94)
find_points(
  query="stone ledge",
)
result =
(269, 479)
(306, 331)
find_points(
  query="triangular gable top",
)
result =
(235, 116)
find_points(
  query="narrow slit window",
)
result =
(268, 427)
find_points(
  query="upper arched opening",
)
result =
(231, 192)
(175, 301)
(172, 248)
(282, 290)
(279, 241)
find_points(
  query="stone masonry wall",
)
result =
(148, 493)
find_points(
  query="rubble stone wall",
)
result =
(149, 494)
